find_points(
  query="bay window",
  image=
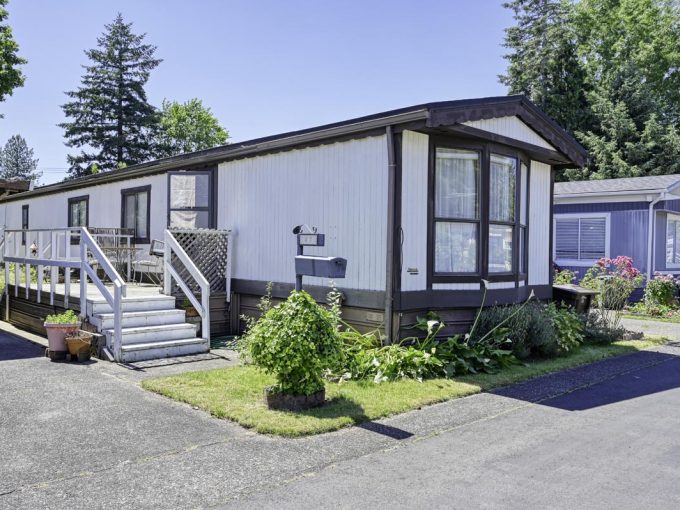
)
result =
(456, 211)
(479, 218)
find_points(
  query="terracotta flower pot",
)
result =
(56, 335)
(78, 344)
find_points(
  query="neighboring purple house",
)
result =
(611, 217)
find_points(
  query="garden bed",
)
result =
(237, 393)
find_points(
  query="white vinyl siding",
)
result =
(512, 127)
(581, 239)
(340, 188)
(105, 206)
(414, 163)
(539, 224)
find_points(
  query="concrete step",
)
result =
(138, 319)
(132, 304)
(150, 334)
(164, 349)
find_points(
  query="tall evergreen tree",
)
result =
(111, 118)
(543, 63)
(620, 92)
(11, 76)
(17, 161)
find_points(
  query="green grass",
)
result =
(237, 393)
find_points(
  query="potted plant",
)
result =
(58, 326)
(78, 344)
(295, 341)
(189, 308)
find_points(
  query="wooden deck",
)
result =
(28, 314)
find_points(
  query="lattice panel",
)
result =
(208, 250)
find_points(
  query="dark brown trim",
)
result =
(398, 230)
(551, 264)
(75, 238)
(24, 224)
(436, 299)
(535, 151)
(134, 191)
(372, 299)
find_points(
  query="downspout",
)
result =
(650, 233)
(389, 262)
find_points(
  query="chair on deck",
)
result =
(152, 266)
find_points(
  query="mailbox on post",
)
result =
(325, 267)
(313, 265)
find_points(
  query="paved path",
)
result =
(87, 436)
(657, 328)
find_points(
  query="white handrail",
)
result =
(203, 308)
(31, 248)
(119, 286)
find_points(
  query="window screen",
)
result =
(580, 238)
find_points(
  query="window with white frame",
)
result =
(673, 240)
(581, 238)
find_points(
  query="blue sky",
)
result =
(263, 67)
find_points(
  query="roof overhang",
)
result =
(447, 116)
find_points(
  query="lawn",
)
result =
(237, 393)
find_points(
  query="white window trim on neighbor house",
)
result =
(669, 217)
(581, 262)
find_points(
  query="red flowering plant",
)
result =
(615, 280)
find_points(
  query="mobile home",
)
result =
(429, 204)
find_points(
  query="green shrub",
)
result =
(614, 279)
(661, 290)
(599, 327)
(294, 341)
(68, 317)
(529, 328)
(419, 358)
(564, 277)
(569, 328)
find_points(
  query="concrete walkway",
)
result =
(87, 436)
(656, 328)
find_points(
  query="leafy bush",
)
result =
(415, 358)
(599, 328)
(68, 317)
(569, 328)
(614, 279)
(529, 328)
(564, 277)
(662, 311)
(295, 341)
(661, 290)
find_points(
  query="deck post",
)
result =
(167, 279)
(83, 279)
(54, 271)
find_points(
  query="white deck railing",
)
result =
(53, 248)
(172, 247)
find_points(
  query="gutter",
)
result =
(389, 266)
(609, 193)
(216, 155)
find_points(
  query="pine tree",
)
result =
(17, 161)
(111, 118)
(11, 76)
(544, 63)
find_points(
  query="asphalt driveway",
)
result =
(87, 436)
